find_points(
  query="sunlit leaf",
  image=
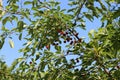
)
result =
(11, 43)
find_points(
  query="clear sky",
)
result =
(10, 54)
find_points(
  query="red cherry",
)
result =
(71, 42)
(66, 32)
(53, 43)
(56, 43)
(64, 41)
(30, 63)
(77, 60)
(68, 39)
(118, 66)
(67, 52)
(61, 32)
(48, 46)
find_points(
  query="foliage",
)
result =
(45, 28)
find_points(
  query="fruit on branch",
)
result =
(30, 62)
(64, 41)
(71, 42)
(48, 46)
(77, 60)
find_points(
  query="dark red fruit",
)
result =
(67, 52)
(66, 32)
(53, 43)
(30, 63)
(68, 39)
(77, 60)
(64, 41)
(48, 46)
(71, 42)
(118, 67)
(56, 43)
(61, 32)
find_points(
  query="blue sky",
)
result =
(10, 54)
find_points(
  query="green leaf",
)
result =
(11, 43)
(88, 16)
(58, 48)
(27, 2)
(4, 21)
(1, 44)
(116, 14)
(42, 66)
(58, 8)
(20, 36)
(90, 34)
(20, 25)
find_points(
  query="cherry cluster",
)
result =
(69, 36)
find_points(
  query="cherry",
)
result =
(118, 67)
(56, 43)
(64, 41)
(30, 62)
(66, 32)
(53, 43)
(77, 60)
(62, 33)
(71, 42)
(67, 52)
(48, 46)
(68, 39)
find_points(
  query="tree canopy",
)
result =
(49, 34)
